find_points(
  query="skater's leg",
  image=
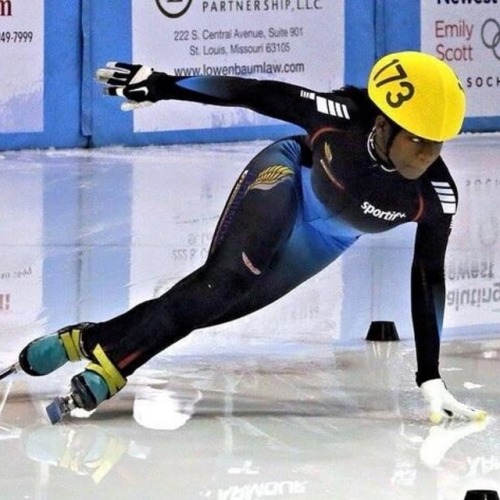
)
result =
(273, 166)
(285, 272)
(256, 222)
(227, 287)
(305, 254)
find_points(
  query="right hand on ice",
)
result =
(443, 405)
(133, 81)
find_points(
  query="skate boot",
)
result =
(46, 354)
(89, 389)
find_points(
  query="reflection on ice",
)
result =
(84, 450)
(442, 438)
(163, 409)
(295, 425)
(256, 427)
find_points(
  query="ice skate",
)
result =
(89, 389)
(46, 354)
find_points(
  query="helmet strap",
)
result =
(395, 129)
(374, 146)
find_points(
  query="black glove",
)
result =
(137, 83)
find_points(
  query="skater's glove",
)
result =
(443, 405)
(138, 84)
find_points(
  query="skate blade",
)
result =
(16, 367)
(59, 408)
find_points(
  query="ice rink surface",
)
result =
(290, 402)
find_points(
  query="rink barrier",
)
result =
(86, 34)
(382, 25)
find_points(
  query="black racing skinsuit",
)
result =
(345, 177)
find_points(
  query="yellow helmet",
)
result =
(420, 93)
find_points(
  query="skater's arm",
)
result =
(290, 103)
(271, 98)
(427, 296)
(428, 303)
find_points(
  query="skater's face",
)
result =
(410, 155)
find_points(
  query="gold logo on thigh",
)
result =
(271, 177)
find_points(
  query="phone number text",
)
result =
(16, 36)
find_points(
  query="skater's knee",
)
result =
(194, 301)
(236, 279)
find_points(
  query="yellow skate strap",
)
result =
(115, 448)
(107, 370)
(71, 342)
(114, 451)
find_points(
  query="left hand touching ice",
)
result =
(443, 405)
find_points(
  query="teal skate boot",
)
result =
(100, 381)
(46, 354)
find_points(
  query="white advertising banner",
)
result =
(22, 75)
(473, 261)
(466, 34)
(21, 233)
(298, 41)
